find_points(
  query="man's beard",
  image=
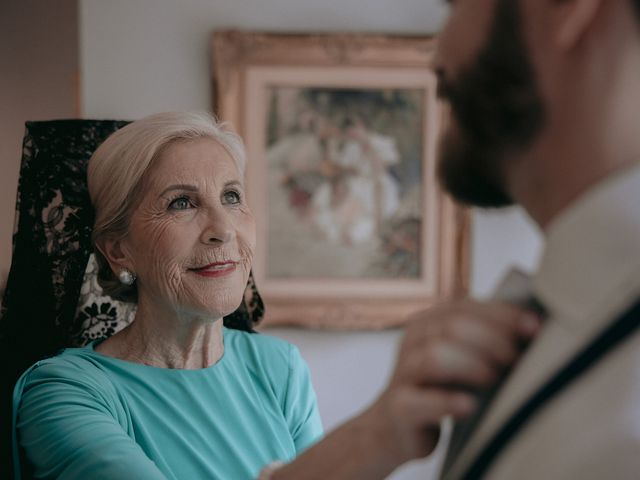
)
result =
(496, 111)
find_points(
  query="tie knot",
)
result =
(516, 288)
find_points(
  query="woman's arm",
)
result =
(67, 428)
(447, 352)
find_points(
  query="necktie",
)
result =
(515, 288)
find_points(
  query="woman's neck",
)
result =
(167, 340)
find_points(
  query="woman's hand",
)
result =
(448, 353)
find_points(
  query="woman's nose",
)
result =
(219, 228)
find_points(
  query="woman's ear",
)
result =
(114, 252)
(577, 16)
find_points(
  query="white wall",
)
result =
(144, 56)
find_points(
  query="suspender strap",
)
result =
(612, 336)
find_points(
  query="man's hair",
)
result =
(636, 4)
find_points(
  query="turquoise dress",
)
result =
(83, 415)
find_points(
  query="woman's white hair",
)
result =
(117, 167)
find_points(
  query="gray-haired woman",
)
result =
(177, 395)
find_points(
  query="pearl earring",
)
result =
(126, 277)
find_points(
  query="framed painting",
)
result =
(341, 134)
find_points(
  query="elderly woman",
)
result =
(176, 394)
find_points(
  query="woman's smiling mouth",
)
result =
(217, 269)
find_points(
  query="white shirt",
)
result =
(589, 275)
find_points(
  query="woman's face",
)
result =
(192, 236)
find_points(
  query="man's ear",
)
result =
(576, 17)
(114, 252)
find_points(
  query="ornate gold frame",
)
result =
(237, 56)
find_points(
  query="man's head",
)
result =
(495, 108)
(491, 78)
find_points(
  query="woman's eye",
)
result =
(180, 203)
(232, 197)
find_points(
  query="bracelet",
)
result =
(266, 472)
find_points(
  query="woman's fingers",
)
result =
(494, 330)
(450, 364)
(465, 345)
(428, 407)
(448, 353)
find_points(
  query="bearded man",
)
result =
(545, 113)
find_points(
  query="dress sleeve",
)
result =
(301, 406)
(68, 426)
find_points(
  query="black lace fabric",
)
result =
(52, 299)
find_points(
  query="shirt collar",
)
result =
(590, 267)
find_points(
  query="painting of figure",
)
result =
(344, 183)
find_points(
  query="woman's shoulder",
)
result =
(77, 366)
(259, 345)
(75, 357)
(259, 351)
(276, 365)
